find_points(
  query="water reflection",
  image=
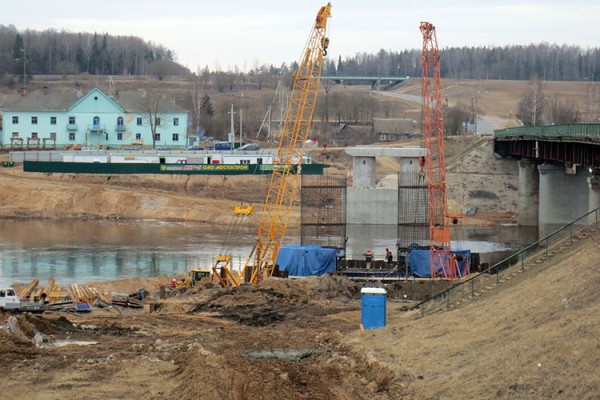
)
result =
(84, 251)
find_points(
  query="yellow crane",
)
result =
(284, 182)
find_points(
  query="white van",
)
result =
(8, 298)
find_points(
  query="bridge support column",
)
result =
(563, 197)
(594, 185)
(363, 172)
(529, 185)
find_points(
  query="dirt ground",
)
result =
(535, 337)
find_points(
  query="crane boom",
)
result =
(284, 181)
(441, 261)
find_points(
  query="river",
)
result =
(87, 251)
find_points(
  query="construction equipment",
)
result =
(284, 181)
(196, 275)
(221, 267)
(442, 262)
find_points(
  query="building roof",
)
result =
(38, 100)
(394, 125)
(63, 100)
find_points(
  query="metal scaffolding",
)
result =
(413, 227)
(323, 210)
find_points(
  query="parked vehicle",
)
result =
(221, 146)
(9, 299)
(195, 148)
(249, 146)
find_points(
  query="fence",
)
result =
(471, 286)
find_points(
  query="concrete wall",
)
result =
(372, 207)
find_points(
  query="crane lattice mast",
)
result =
(441, 260)
(284, 182)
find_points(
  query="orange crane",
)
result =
(442, 262)
(284, 182)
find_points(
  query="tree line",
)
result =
(52, 52)
(550, 62)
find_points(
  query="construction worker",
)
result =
(173, 284)
(368, 257)
(389, 257)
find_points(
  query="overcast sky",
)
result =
(225, 33)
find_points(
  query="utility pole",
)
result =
(24, 61)
(241, 134)
(231, 129)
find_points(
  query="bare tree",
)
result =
(531, 106)
(455, 118)
(153, 107)
(563, 111)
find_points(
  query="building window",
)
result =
(139, 121)
(119, 136)
(71, 120)
(34, 135)
(120, 121)
(52, 120)
(157, 120)
(15, 134)
(175, 121)
(157, 137)
(176, 137)
(53, 135)
(72, 136)
(96, 122)
(33, 120)
(138, 136)
(245, 162)
(15, 120)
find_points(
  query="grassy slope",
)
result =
(537, 337)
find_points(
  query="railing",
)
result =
(120, 128)
(469, 286)
(100, 128)
(71, 127)
(551, 131)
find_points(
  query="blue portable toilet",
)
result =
(373, 307)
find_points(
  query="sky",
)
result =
(223, 34)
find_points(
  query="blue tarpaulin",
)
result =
(306, 260)
(418, 262)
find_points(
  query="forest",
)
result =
(52, 52)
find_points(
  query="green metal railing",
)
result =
(469, 286)
(591, 131)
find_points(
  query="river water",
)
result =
(87, 251)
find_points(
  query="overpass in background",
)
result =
(559, 171)
(374, 81)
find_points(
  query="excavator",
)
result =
(285, 182)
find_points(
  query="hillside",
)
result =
(534, 338)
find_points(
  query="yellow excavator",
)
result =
(285, 182)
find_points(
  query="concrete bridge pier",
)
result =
(563, 196)
(529, 185)
(367, 204)
(594, 187)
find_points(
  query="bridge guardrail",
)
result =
(468, 287)
(550, 131)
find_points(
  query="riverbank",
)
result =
(205, 199)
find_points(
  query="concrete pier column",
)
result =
(594, 200)
(563, 196)
(363, 172)
(529, 185)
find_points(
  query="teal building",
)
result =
(47, 119)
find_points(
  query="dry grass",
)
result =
(536, 338)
